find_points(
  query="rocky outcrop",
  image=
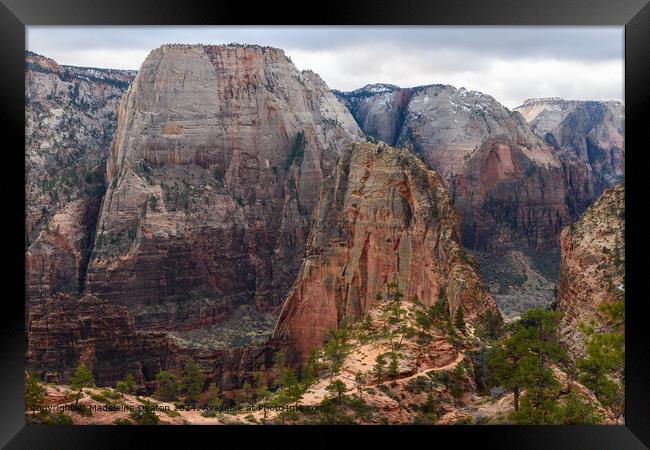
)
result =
(508, 184)
(382, 218)
(215, 169)
(592, 271)
(67, 330)
(70, 116)
(589, 137)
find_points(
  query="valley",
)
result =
(221, 228)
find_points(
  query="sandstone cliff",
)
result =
(589, 137)
(70, 117)
(215, 169)
(66, 330)
(506, 182)
(508, 185)
(382, 217)
(592, 271)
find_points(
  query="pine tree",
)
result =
(311, 368)
(337, 387)
(459, 320)
(360, 381)
(125, 386)
(192, 381)
(605, 356)
(379, 368)
(82, 378)
(522, 361)
(393, 367)
(577, 411)
(337, 349)
(167, 386)
(34, 393)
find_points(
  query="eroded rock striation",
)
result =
(215, 169)
(506, 182)
(66, 330)
(382, 218)
(592, 271)
(70, 117)
(589, 137)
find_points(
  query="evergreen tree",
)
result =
(192, 381)
(360, 381)
(521, 359)
(286, 379)
(337, 387)
(380, 362)
(459, 320)
(311, 368)
(34, 393)
(167, 386)
(337, 349)
(393, 367)
(603, 363)
(576, 411)
(125, 386)
(82, 378)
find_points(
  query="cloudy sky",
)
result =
(509, 63)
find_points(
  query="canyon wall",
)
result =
(70, 117)
(215, 169)
(382, 218)
(592, 270)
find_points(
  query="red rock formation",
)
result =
(64, 331)
(592, 270)
(216, 165)
(382, 217)
(508, 184)
(70, 117)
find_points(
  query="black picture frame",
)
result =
(15, 15)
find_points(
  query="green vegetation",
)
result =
(191, 382)
(167, 386)
(122, 421)
(522, 361)
(337, 387)
(82, 378)
(459, 320)
(34, 393)
(297, 151)
(337, 348)
(145, 415)
(125, 386)
(605, 358)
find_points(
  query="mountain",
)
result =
(382, 218)
(592, 270)
(507, 184)
(589, 136)
(214, 171)
(70, 118)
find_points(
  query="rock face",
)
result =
(509, 187)
(592, 270)
(66, 330)
(216, 166)
(382, 217)
(589, 137)
(506, 182)
(70, 117)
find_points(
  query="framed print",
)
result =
(405, 218)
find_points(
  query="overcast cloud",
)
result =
(509, 63)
